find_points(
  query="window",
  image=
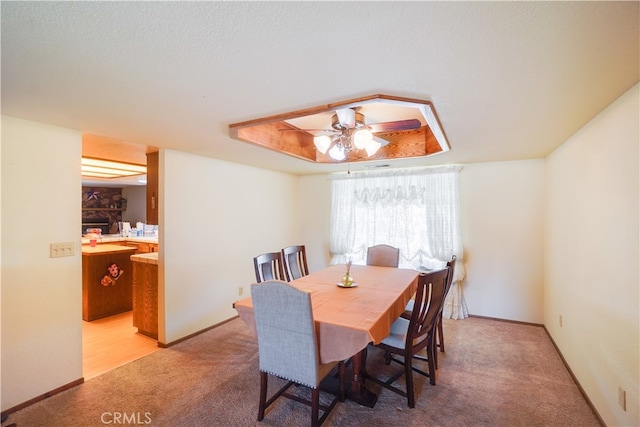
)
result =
(415, 210)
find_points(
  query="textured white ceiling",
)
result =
(508, 80)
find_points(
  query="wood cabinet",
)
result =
(145, 248)
(145, 295)
(106, 290)
(152, 187)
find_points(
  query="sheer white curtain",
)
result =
(416, 210)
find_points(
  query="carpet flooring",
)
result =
(493, 374)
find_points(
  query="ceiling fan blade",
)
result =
(382, 142)
(346, 117)
(308, 130)
(410, 124)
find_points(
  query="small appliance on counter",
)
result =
(125, 229)
(93, 234)
(101, 223)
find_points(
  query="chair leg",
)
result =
(408, 374)
(435, 353)
(315, 405)
(263, 395)
(432, 354)
(440, 334)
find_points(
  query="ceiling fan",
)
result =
(350, 132)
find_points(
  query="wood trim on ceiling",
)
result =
(267, 132)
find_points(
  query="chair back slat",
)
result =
(287, 342)
(295, 262)
(268, 266)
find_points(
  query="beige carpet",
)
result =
(492, 374)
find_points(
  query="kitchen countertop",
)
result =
(105, 249)
(150, 258)
(109, 238)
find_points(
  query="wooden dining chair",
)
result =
(383, 256)
(408, 337)
(440, 336)
(288, 347)
(268, 266)
(294, 259)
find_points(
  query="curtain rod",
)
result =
(397, 172)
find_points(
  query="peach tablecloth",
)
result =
(348, 319)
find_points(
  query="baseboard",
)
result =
(166, 345)
(575, 379)
(506, 320)
(30, 402)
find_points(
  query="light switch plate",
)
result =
(62, 249)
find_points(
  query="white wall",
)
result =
(215, 216)
(315, 205)
(591, 253)
(501, 217)
(41, 296)
(501, 220)
(136, 203)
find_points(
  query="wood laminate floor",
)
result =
(112, 342)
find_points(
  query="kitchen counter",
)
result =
(145, 293)
(150, 258)
(105, 249)
(110, 238)
(107, 277)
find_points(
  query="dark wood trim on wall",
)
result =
(506, 320)
(36, 399)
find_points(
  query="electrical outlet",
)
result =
(57, 250)
(560, 320)
(240, 290)
(622, 398)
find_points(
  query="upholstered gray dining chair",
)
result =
(408, 337)
(288, 346)
(294, 259)
(268, 266)
(383, 256)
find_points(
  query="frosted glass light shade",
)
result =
(362, 138)
(337, 153)
(322, 143)
(373, 148)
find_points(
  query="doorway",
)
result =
(113, 341)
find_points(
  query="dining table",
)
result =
(348, 319)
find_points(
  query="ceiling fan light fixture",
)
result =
(344, 118)
(322, 143)
(362, 138)
(337, 153)
(373, 148)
